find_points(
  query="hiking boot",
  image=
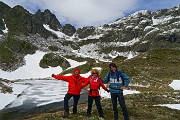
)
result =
(102, 116)
(88, 114)
(65, 114)
(74, 110)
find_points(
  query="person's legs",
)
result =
(114, 103)
(90, 102)
(123, 106)
(76, 99)
(99, 107)
(66, 105)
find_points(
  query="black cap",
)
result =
(112, 64)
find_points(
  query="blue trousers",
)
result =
(98, 105)
(66, 105)
(120, 98)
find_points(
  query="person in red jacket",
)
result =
(95, 82)
(74, 88)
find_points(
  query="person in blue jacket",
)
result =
(118, 82)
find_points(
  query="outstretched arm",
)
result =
(60, 77)
(106, 79)
(85, 82)
(102, 85)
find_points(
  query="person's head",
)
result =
(112, 67)
(94, 72)
(76, 72)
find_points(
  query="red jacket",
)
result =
(75, 83)
(94, 84)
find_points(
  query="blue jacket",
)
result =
(115, 85)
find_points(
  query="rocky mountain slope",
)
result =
(128, 36)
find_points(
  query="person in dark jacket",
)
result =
(74, 88)
(118, 82)
(95, 82)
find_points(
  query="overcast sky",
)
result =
(91, 12)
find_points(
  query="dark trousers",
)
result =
(120, 97)
(98, 105)
(66, 105)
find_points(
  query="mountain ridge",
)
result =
(129, 36)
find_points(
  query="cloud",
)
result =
(80, 12)
(91, 12)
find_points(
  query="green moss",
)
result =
(84, 68)
(53, 60)
(53, 48)
(6, 55)
(85, 31)
(12, 50)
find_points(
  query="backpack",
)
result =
(97, 80)
(90, 84)
(119, 73)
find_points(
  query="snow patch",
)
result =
(31, 69)
(175, 84)
(137, 27)
(74, 63)
(163, 20)
(131, 42)
(171, 31)
(147, 28)
(143, 12)
(117, 44)
(131, 55)
(139, 85)
(93, 37)
(6, 29)
(143, 21)
(130, 26)
(90, 51)
(143, 42)
(58, 33)
(172, 106)
(154, 30)
(105, 94)
(128, 55)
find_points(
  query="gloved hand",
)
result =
(123, 88)
(52, 75)
(108, 90)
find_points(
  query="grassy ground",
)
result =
(140, 107)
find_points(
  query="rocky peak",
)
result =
(48, 18)
(19, 9)
(38, 13)
(141, 13)
(20, 21)
(175, 11)
(68, 29)
(3, 8)
(85, 31)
